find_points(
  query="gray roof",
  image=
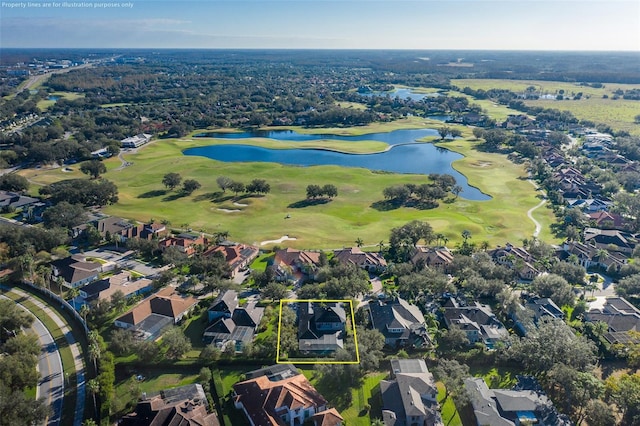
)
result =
(225, 302)
(410, 393)
(408, 366)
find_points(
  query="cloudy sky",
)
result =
(327, 24)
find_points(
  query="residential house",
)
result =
(185, 243)
(369, 261)
(75, 271)
(477, 321)
(409, 396)
(589, 256)
(237, 330)
(15, 201)
(112, 225)
(280, 395)
(296, 265)
(144, 231)
(230, 323)
(149, 317)
(432, 257)
(401, 323)
(123, 282)
(606, 220)
(512, 407)
(610, 239)
(588, 205)
(184, 406)
(237, 256)
(320, 327)
(620, 316)
(517, 259)
(528, 315)
(223, 306)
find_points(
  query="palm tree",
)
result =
(377, 422)
(466, 234)
(73, 293)
(95, 352)
(60, 282)
(94, 387)
(84, 310)
(359, 242)
(381, 245)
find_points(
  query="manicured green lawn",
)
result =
(496, 378)
(450, 415)
(45, 104)
(129, 388)
(617, 113)
(338, 223)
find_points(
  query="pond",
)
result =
(404, 94)
(404, 155)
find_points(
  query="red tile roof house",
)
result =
(296, 265)
(282, 397)
(237, 256)
(186, 243)
(149, 317)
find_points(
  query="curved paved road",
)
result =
(51, 384)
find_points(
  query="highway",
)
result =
(51, 384)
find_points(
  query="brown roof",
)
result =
(261, 397)
(329, 417)
(291, 256)
(136, 315)
(166, 302)
(356, 256)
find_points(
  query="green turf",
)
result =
(129, 389)
(450, 415)
(338, 223)
(619, 113)
(45, 104)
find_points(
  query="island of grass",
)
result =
(353, 215)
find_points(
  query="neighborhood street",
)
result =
(51, 384)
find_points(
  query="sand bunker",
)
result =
(279, 240)
(229, 210)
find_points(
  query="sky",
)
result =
(603, 25)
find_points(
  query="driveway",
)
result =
(124, 260)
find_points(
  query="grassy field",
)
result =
(618, 113)
(45, 104)
(353, 214)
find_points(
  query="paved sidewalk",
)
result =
(75, 351)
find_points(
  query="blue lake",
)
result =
(404, 94)
(404, 155)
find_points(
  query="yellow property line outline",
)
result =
(297, 360)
